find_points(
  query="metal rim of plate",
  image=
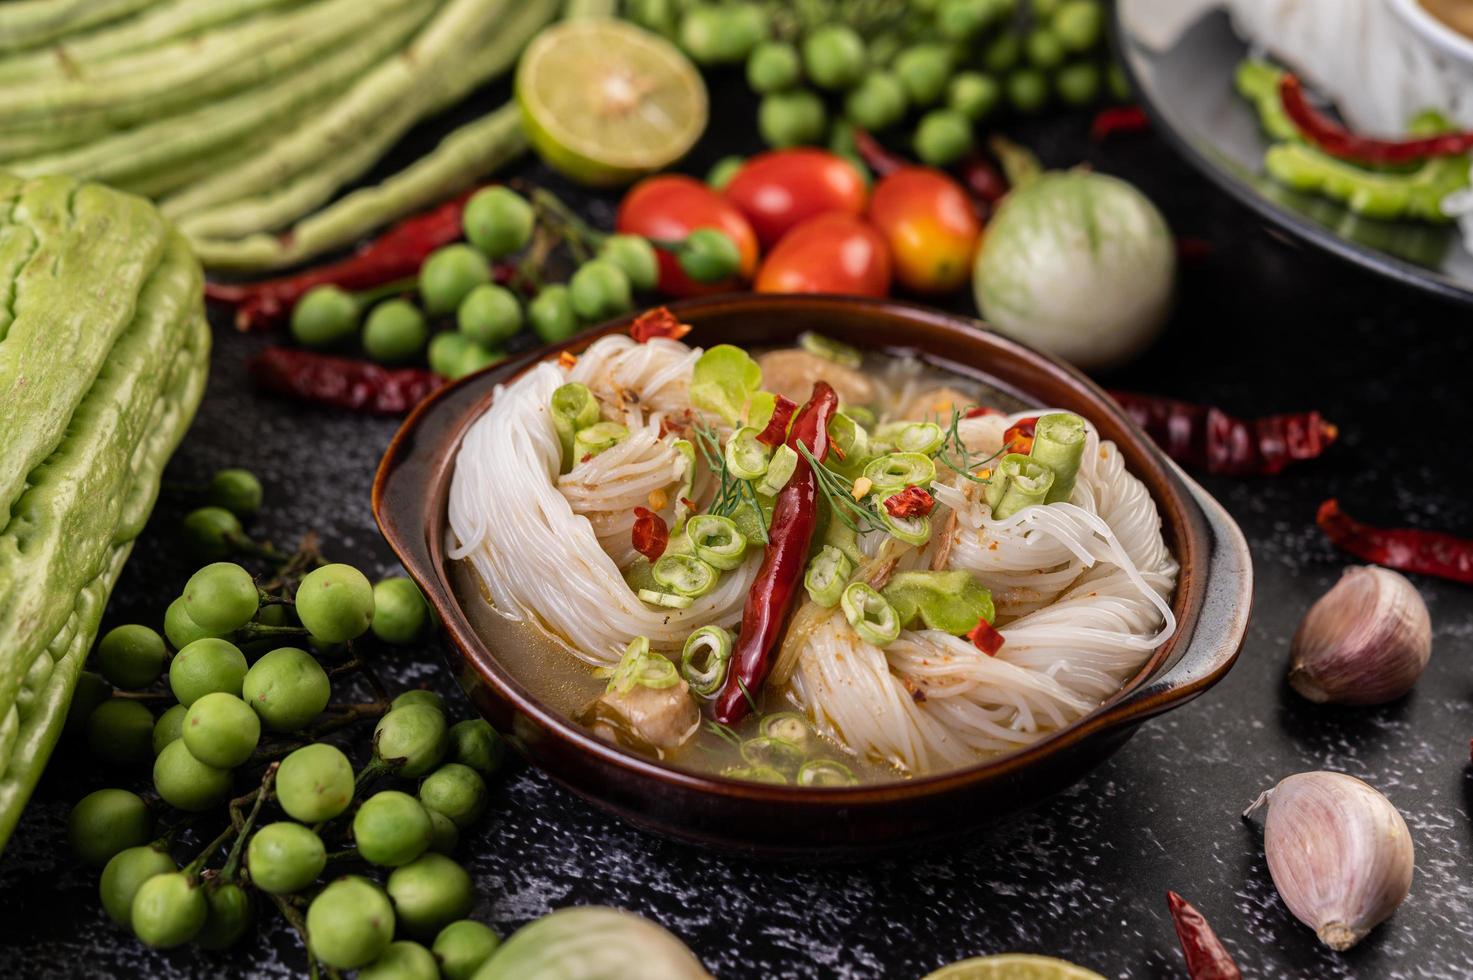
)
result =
(1133, 55)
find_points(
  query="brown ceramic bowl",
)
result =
(1211, 603)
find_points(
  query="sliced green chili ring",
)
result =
(684, 575)
(669, 600)
(780, 470)
(705, 659)
(896, 471)
(746, 458)
(826, 772)
(1019, 481)
(573, 408)
(640, 667)
(789, 726)
(597, 438)
(717, 541)
(764, 750)
(1058, 443)
(755, 774)
(828, 574)
(687, 485)
(869, 614)
(912, 530)
(830, 349)
(920, 437)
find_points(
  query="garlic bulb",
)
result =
(1339, 853)
(1366, 641)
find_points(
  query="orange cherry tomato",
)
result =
(783, 188)
(928, 221)
(671, 206)
(831, 253)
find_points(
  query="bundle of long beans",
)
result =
(245, 119)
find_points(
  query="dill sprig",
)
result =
(724, 732)
(858, 515)
(955, 456)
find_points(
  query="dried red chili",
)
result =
(394, 255)
(1019, 437)
(1118, 120)
(1193, 251)
(986, 638)
(659, 322)
(875, 156)
(650, 535)
(778, 581)
(910, 502)
(1207, 958)
(776, 429)
(1338, 141)
(1205, 438)
(978, 411)
(1405, 549)
(341, 382)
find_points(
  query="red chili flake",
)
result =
(978, 411)
(1117, 120)
(985, 638)
(1338, 141)
(1405, 549)
(1205, 438)
(910, 502)
(1207, 958)
(1019, 437)
(659, 322)
(689, 503)
(341, 382)
(651, 535)
(776, 430)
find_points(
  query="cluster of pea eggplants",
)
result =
(237, 724)
(933, 67)
(456, 286)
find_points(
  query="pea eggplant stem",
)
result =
(294, 918)
(243, 828)
(193, 868)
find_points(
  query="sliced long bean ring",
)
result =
(920, 437)
(829, 349)
(826, 772)
(755, 774)
(597, 438)
(764, 750)
(1058, 443)
(896, 471)
(746, 458)
(870, 615)
(573, 408)
(850, 439)
(705, 659)
(912, 530)
(789, 726)
(828, 574)
(861, 414)
(1018, 481)
(716, 541)
(640, 667)
(780, 470)
(683, 504)
(684, 575)
(667, 600)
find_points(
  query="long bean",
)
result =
(213, 65)
(30, 23)
(393, 93)
(71, 57)
(150, 151)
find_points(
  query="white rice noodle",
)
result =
(541, 561)
(657, 373)
(1074, 632)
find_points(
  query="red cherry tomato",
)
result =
(832, 253)
(928, 221)
(671, 206)
(783, 188)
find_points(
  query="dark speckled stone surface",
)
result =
(1262, 326)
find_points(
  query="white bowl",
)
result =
(1455, 46)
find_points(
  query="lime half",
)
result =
(606, 102)
(1014, 966)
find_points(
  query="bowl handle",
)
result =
(1218, 635)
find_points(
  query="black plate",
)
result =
(1188, 90)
